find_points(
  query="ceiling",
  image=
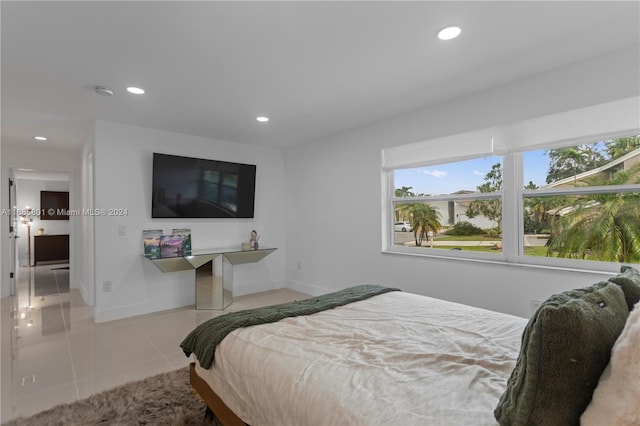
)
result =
(314, 68)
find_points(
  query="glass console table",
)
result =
(214, 272)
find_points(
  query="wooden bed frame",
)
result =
(214, 402)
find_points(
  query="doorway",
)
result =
(42, 249)
(41, 240)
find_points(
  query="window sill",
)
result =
(606, 270)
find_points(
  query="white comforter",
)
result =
(394, 359)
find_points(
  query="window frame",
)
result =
(621, 118)
(520, 257)
(453, 197)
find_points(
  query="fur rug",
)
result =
(164, 399)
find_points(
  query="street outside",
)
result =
(408, 239)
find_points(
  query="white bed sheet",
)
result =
(394, 359)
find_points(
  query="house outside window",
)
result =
(445, 203)
(588, 207)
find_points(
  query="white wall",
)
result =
(333, 193)
(122, 179)
(28, 194)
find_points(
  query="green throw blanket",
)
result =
(204, 339)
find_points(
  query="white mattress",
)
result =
(394, 359)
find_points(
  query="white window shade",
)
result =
(464, 145)
(584, 125)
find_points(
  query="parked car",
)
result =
(403, 226)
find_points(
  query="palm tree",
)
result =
(602, 226)
(403, 212)
(538, 208)
(405, 191)
(424, 218)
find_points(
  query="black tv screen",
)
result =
(185, 187)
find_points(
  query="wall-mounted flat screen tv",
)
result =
(185, 187)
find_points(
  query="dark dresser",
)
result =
(50, 248)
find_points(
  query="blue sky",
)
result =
(452, 177)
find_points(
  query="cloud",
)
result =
(475, 172)
(435, 173)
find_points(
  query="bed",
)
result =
(370, 361)
(393, 358)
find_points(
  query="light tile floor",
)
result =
(53, 352)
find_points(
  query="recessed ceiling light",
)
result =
(40, 138)
(135, 90)
(450, 32)
(262, 119)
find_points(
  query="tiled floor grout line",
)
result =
(118, 369)
(66, 335)
(32, 279)
(152, 342)
(39, 392)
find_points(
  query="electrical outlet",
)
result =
(122, 230)
(106, 286)
(28, 380)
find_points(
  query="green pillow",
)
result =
(629, 280)
(565, 347)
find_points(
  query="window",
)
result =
(583, 201)
(557, 191)
(452, 206)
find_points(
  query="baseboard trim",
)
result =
(244, 289)
(126, 311)
(313, 290)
